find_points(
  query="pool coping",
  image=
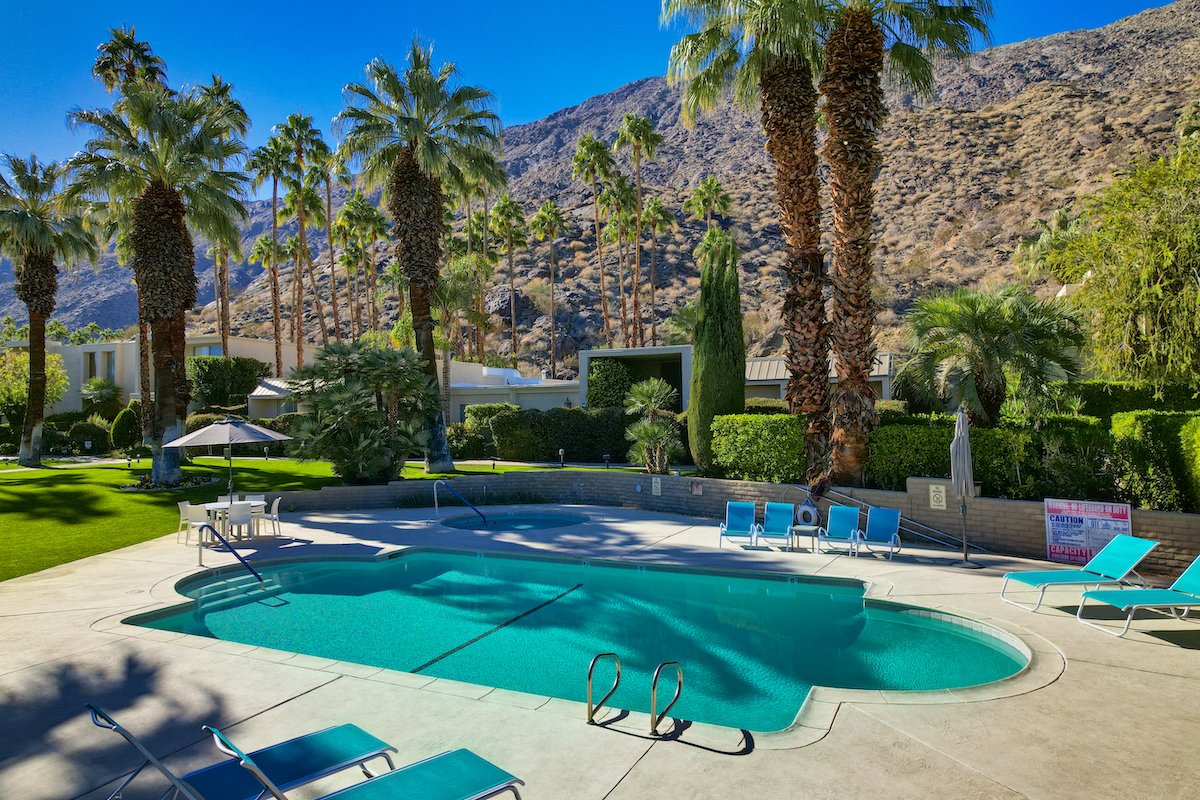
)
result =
(1045, 663)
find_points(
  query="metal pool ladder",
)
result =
(594, 708)
(655, 717)
(450, 489)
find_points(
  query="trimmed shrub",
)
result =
(584, 434)
(766, 405)
(126, 430)
(1189, 444)
(608, 383)
(891, 407)
(480, 414)
(467, 441)
(759, 447)
(225, 381)
(84, 432)
(1149, 459)
(8, 449)
(197, 421)
(55, 441)
(939, 418)
(65, 420)
(8, 434)
(1104, 399)
(240, 411)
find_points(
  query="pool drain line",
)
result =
(504, 624)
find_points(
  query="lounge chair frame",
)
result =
(1085, 578)
(1165, 610)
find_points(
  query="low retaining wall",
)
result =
(1013, 527)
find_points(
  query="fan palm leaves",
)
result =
(416, 130)
(42, 225)
(547, 225)
(866, 37)
(638, 135)
(273, 160)
(655, 218)
(153, 160)
(508, 223)
(302, 202)
(593, 163)
(708, 200)
(766, 54)
(123, 58)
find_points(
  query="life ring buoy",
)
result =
(807, 514)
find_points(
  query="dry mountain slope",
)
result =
(1010, 136)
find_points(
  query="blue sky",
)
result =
(537, 56)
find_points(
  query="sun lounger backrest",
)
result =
(102, 720)
(842, 522)
(1118, 558)
(230, 749)
(739, 516)
(1189, 581)
(882, 524)
(778, 517)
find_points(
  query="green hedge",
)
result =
(82, 432)
(1150, 459)
(1189, 444)
(225, 381)
(9, 434)
(480, 414)
(759, 447)
(766, 405)
(469, 441)
(608, 383)
(585, 434)
(200, 420)
(1104, 399)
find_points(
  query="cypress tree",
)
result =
(719, 363)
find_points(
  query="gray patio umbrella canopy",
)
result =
(225, 432)
(962, 474)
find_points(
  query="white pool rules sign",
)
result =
(1076, 529)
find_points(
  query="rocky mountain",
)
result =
(1011, 135)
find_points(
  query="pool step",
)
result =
(236, 591)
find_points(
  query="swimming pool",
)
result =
(513, 521)
(751, 646)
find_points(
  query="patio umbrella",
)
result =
(226, 432)
(962, 476)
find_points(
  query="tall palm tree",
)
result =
(153, 159)
(415, 129)
(454, 298)
(655, 218)
(232, 113)
(508, 222)
(593, 162)
(547, 224)
(766, 52)
(638, 134)
(618, 199)
(302, 202)
(41, 224)
(966, 345)
(866, 35)
(371, 225)
(264, 251)
(122, 58)
(346, 229)
(708, 200)
(273, 160)
(326, 164)
(298, 133)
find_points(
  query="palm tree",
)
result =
(370, 225)
(655, 217)
(1037, 253)
(638, 134)
(414, 130)
(681, 326)
(123, 59)
(298, 133)
(346, 230)
(232, 113)
(325, 165)
(766, 52)
(264, 251)
(41, 224)
(967, 345)
(273, 160)
(593, 162)
(864, 36)
(452, 298)
(548, 224)
(707, 200)
(153, 159)
(617, 199)
(508, 222)
(303, 203)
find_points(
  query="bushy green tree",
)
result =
(655, 435)
(126, 430)
(225, 380)
(369, 405)
(608, 383)
(14, 383)
(719, 363)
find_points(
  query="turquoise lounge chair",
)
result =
(453, 775)
(289, 764)
(777, 523)
(1115, 561)
(739, 523)
(1183, 594)
(883, 528)
(841, 527)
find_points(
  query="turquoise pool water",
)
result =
(513, 521)
(751, 647)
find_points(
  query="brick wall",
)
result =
(1014, 527)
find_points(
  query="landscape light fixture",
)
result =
(561, 456)
(607, 458)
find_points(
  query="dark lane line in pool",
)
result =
(504, 624)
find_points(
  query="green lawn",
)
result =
(52, 516)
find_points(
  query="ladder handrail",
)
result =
(452, 491)
(656, 717)
(236, 554)
(592, 709)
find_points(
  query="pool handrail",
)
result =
(451, 490)
(261, 581)
(655, 716)
(593, 709)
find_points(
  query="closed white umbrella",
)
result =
(962, 476)
(226, 432)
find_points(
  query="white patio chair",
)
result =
(255, 498)
(197, 516)
(183, 518)
(272, 517)
(241, 519)
(227, 498)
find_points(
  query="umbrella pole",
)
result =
(966, 563)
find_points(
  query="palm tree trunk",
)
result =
(789, 119)
(37, 286)
(298, 280)
(316, 296)
(223, 306)
(855, 110)
(653, 302)
(480, 332)
(553, 270)
(512, 302)
(145, 390)
(165, 461)
(333, 284)
(621, 256)
(600, 260)
(276, 324)
(639, 334)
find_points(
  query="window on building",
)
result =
(209, 350)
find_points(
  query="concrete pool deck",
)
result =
(1102, 717)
